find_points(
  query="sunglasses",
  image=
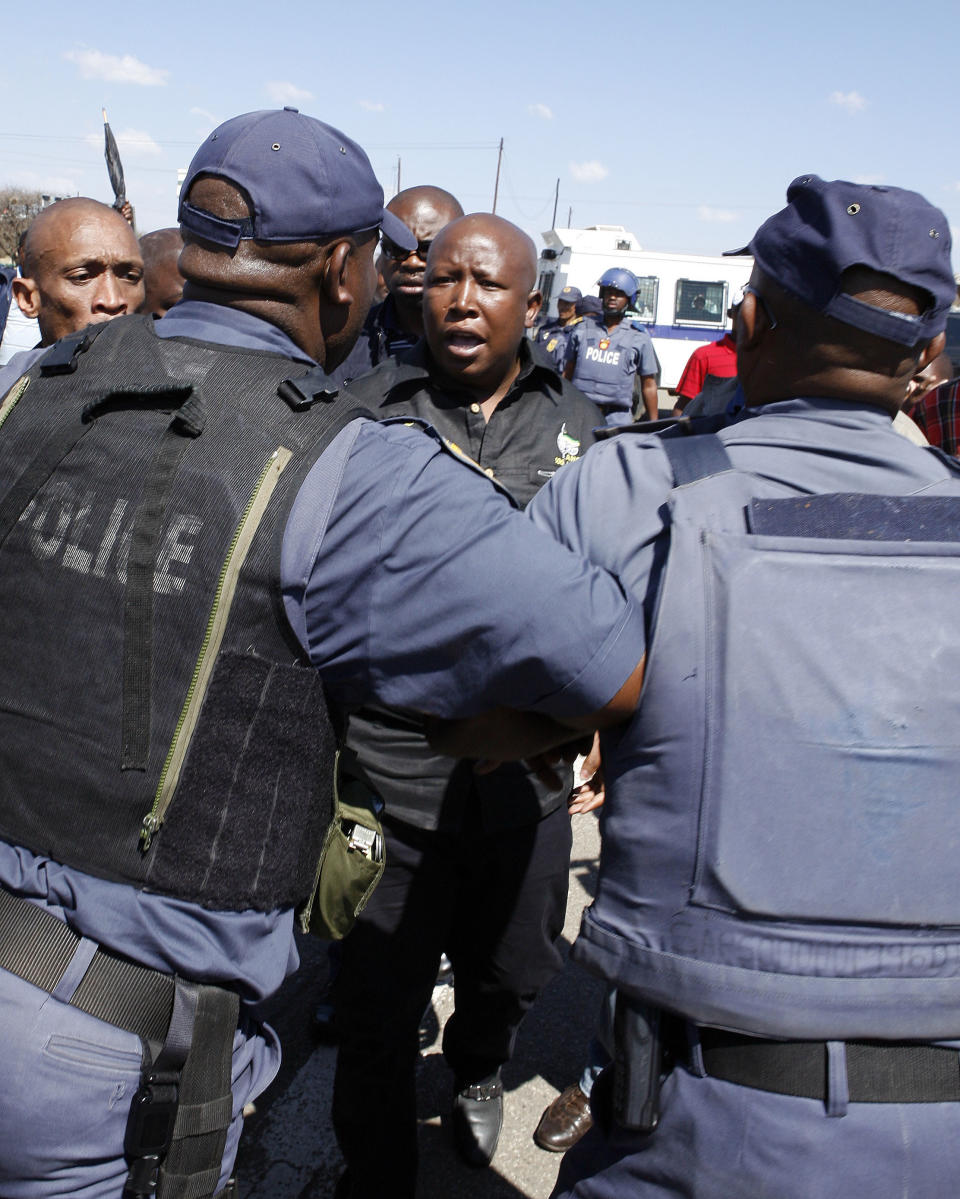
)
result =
(399, 254)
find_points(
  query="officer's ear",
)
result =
(27, 295)
(336, 276)
(751, 323)
(933, 349)
(534, 301)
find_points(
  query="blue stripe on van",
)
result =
(685, 332)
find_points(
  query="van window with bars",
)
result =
(701, 302)
(645, 308)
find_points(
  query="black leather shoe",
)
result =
(565, 1121)
(476, 1119)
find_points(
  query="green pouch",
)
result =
(351, 862)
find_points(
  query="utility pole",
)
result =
(398, 173)
(496, 186)
(569, 215)
(556, 197)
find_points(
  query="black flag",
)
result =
(114, 166)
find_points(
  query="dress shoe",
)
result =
(476, 1119)
(565, 1121)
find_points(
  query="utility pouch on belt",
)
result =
(637, 1064)
(351, 862)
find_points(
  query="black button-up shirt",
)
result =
(542, 423)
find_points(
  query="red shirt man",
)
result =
(719, 358)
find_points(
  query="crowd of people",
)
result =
(308, 509)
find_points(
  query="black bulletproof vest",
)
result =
(159, 723)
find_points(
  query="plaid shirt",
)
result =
(938, 415)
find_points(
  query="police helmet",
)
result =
(622, 280)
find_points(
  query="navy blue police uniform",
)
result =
(116, 943)
(607, 362)
(552, 335)
(775, 900)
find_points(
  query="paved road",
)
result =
(288, 1150)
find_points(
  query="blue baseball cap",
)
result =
(828, 227)
(589, 305)
(305, 181)
(569, 295)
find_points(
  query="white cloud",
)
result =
(372, 105)
(718, 215)
(51, 185)
(588, 172)
(94, 64)
(207, 116)
(281, 91)
(541, 110)
(851, 101)
(135, 143)
(868, 180)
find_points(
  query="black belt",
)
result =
(877, 1071)
(38, 947)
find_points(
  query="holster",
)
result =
(180, 1116)
(637, 1064)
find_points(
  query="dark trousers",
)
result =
(495, 904)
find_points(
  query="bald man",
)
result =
(80, 265)
(396, 324)
(477, 865)
(163, 283)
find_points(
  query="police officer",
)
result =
(477, 866)
(775, 900)
(552, 334)
(165, 747)
(396, 323)
(605, 357)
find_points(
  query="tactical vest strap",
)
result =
(306, 390)
(61, 358)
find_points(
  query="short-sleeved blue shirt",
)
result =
(606, 362)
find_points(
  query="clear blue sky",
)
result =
(684, 122)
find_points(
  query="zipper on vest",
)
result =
(14, 394)
(212, 640)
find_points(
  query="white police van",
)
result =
(683, 298)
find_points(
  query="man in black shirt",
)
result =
(477, 865)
